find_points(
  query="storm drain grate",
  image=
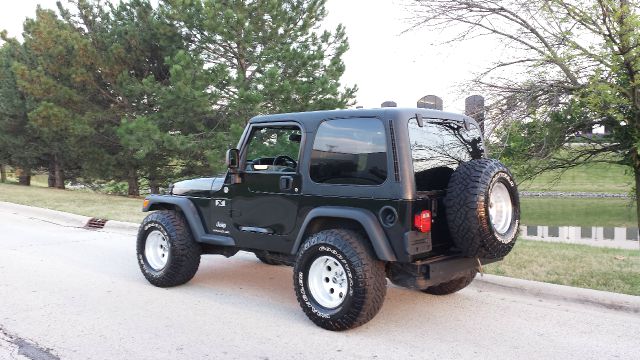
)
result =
(95, 223)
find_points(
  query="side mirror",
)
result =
(296, 138)
(232, 159)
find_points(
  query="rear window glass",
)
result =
(443, 144)
(349, 151)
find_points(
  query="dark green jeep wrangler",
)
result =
(348, 198)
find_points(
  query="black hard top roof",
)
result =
(384, 113)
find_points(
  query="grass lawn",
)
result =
(76, 202)
(535, 211)
(599, 178)
(578, 212)
(573, 265)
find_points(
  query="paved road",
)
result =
(70, 293)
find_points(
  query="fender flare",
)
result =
(369, 222)
(191, 214)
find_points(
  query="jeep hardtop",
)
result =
(348, 198)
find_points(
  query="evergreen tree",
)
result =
(264, 56)
(158, 103)
(19, 144)
(125, 91)
(55, 73)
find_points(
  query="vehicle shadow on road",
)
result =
(259, 287)
(245, 278)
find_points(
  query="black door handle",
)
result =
(286, 182)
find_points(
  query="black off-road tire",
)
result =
(365, 275)
(453, 285)
(266, 259)
(184, 252)
(467, 209)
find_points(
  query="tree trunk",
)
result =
(3, 173)
(51, 180)
(24, 176)
(636, 171)
(154, 187)
(132, 181)
(58, 172)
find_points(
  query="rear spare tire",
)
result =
(483, 209)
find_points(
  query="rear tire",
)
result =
(266, 259)
(167, 253)
(483, 209)
(453, 285)
(339, 283)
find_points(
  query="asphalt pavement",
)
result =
(71, 293)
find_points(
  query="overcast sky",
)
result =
(383, 62)
(388, 64)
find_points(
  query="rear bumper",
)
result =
(425, 273)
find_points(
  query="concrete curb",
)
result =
(48, 215)
(65, 219)
(536, 289)
(602, 299)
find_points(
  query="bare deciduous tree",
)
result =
(571, 65)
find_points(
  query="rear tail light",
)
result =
(422, 221)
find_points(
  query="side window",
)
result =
(443, 143)
(273, 149)
(349, 151)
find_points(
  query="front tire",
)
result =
(167, 253)
(338, 281)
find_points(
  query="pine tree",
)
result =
(55, 74)
(158, 104)
(19, 145)
(127, 92)
(264, 56)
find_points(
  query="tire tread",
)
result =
(465, 209)
(453, 285)
(184, 250)
(369, 271)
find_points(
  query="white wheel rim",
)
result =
(156, 250)
(327, 282)
(500, 208)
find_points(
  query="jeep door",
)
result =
(265, 203)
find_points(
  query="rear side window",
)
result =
(443, 144)
(349, 152)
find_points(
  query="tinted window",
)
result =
(350, 151)
(273, 149)
(443, 143)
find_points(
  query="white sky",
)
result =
(389, 65)
(385, 64)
